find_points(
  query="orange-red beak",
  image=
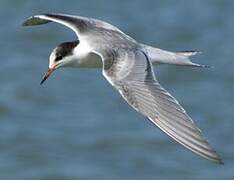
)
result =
(47, 74)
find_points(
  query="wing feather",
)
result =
(143, 92)
(78, 24)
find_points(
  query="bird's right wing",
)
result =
(131, 73)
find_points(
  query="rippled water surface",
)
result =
(77, 127)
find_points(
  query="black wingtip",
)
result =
(25, 23)
(28, 21)
(220, 162)
(35, 20)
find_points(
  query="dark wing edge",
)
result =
(34, 20)
(76, 23)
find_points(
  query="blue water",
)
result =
(76, 126)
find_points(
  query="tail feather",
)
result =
(192, 53)
(159, 56)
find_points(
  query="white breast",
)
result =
(92, 60)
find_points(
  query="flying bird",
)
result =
(128, 66)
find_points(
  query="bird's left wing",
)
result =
(130, 71)
(78, 24)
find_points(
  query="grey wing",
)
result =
(132, 74)
(78, 24)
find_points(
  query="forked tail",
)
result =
(159, 56)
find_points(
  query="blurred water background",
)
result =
(76, 126)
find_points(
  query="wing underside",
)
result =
(143, 92)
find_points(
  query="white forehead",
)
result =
(52, 58)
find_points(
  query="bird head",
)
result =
(61, 56)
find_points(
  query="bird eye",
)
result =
(58, 58)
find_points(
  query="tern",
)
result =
(128, 66)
